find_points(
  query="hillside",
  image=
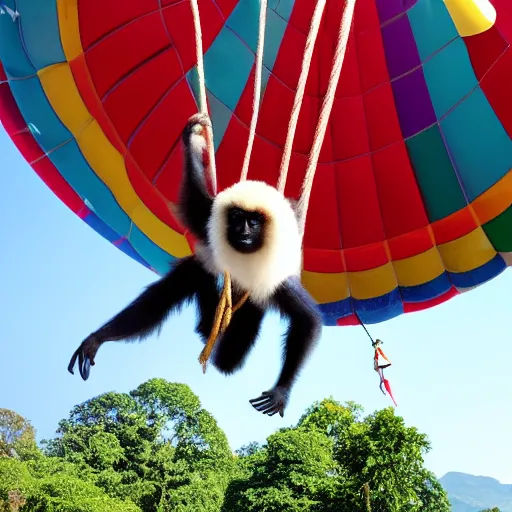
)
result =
(469, 493)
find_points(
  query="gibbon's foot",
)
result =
(271, 402)
(199, 121)
(85, 353)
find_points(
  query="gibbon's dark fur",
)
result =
(249, 230)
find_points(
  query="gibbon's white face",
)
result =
(253, 234)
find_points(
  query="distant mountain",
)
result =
(470, 493)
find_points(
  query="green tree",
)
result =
(16, 482)
(156, 449)
(53, 485)
(154, 446)
(494, 509)
(293, 472)
(380, 458)
(386, 457)
(335, 460)
(17, 436)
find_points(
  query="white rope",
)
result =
(257, 88)
(203, 104)
(299, 94)
(325, 112)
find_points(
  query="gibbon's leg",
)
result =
(207, 298)
(146, 313)
(304, 330)
(240, 336)
(195, 201)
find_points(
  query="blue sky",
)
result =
(59, 281)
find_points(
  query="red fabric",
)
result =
(359, 212)
(491, 56)
(366, 257)
(410, 244)
(159, 203)
(109, 62)
(149, 78)
(324, 261)
(401, 205)
(455, 226)
(485, 49)
(96, 22)
(409, 307)
(92, 102)
(387, 385)
(156, 137)
(350, 320)
(156, 78)
(495, 87)
(365, 199)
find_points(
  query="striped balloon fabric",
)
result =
(411, 203)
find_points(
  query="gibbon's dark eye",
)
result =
(236, 215)
(256, 219)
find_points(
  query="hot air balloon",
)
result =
(411, 202)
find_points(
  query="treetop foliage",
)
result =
(156, 449)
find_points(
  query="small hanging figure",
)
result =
(380, 361)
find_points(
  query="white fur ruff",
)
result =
(259, 273)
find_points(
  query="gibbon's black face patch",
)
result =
(245, 230)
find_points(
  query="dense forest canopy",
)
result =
(156, 449)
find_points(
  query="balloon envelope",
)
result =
(411, 202)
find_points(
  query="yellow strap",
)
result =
(223, 315)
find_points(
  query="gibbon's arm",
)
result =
(195, 201)
(294, 302)
(207, 300)
(148, 311)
